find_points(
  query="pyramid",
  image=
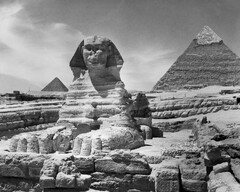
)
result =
(207, 61)
(55, 85)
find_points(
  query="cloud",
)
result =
(35, 50)
(139, 71)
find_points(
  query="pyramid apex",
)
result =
(207, 36)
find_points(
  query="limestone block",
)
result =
(194, 185)
(111, 182)
(122, 162)
(83, 182)
(193, 169)
(65, 181)
(167, 174)
(223, 167)
(47, 182)
(14, 166)
(35, 164)
(20, 185)
(235, 166)
(143, 182)
(167, 186)
(50, 168)
(222, 182)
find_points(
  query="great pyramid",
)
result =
(55, 85)
(207, 61)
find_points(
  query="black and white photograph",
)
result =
(119, 96)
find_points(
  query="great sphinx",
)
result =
(97, 97)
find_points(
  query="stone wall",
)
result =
(166, 109)
(221, 154)
(20, 116)
(118, 170)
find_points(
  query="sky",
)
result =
(39, 37)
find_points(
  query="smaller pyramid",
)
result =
(55, 85)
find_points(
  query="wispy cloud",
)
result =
(143, 69)
(34, 50)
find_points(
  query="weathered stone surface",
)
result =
(35, 165)
(50, 168)
(109, 138)
(18, 184)
(32, 144)
(194, 185)
(83, 182)
(84, 164)
(143, 182)
(14, 143)
(207, 36)
(221, 182)
(111, 182)
(62, 140)
(122, 162)
(47, 182)
(166, 176)
(235, 166)
(193, 169)
(22, 143)
(65, 181)
(21, 165)
(219, 168)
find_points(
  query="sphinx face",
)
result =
(95, 55)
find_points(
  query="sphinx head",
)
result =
(95, 53)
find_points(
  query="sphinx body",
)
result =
(97, 96)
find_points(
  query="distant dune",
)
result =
(10, 83)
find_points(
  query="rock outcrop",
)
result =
(207, 61)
